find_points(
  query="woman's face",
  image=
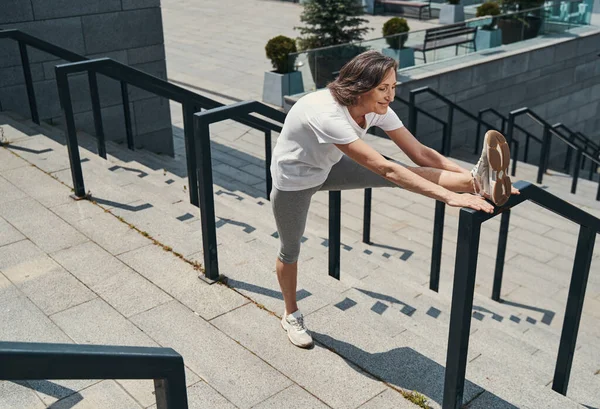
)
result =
(378, 99)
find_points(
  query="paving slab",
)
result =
(293, 397)
(335, 381)
(389, 399)
(180, 280)
(120, 286)
(9, 192)
(48, 285)
(14, 395)
(38, 185)
(8, 234)
(247, 381)
(96, 322)
(9, 161)
(52, 391)
(40, 225)
(105, 394)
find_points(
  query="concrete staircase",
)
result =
(380, 317)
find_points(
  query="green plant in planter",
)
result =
(278, 50)
(455, 2)
(489, 8)
(331, 22)
(392, 27)
(327, 23)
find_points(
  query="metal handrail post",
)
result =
(206, 197)
(64, 95)
(35, 117)
(576, 168)
(462, 305)
(509, 138)
(436, 248)
(478, 133)
(412, 114)
(97, 113)
(501, 255)
(568, 338)
(335, 206)
(190, 150)
(448, 137)
(367, 216)
(268, 180)
(127, 116)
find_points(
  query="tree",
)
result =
(331, 22)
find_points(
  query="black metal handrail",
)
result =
(451, 107)
(515, 153)
(548, 132)
(127, 75)
(202, 153)
(23, 361)
(588, 145)
(469, 229)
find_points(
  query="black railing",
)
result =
(202, 121)
(126, 75)
(587, 144)
(32, 361)
(469, 228)
(546, 142)
(24, 40)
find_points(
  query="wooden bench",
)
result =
(447, 36)
(407, 3)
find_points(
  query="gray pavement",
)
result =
(208, 48)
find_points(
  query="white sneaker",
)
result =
(490, 174)
(296, 330)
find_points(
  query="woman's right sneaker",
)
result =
(491, 171)
(293, 324)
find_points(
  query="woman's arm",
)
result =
(368, 157)
(420, 154)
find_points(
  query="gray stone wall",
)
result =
(129, 31)
(560, 82)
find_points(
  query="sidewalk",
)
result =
(208, 49)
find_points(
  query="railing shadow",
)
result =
(118, 205)
(404, 368)
(548, 314)
(241, 285)
(55, 390)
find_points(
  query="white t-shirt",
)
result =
(305, 151)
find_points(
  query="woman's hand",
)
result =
(471, 201)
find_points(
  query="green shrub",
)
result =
(395, 25)
(278, 50)
(455, 2)
(489, 8)
(331, 22)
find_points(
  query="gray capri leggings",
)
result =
(291, 207)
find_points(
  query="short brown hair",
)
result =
(361, 74)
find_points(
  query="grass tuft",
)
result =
(416, 398)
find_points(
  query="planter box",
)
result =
(488, 39)
(369, 6)
(275, 86)
(404, 56)
(452, 13)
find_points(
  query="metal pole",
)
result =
(460, 313)
(335, 208)
(268, 155)
(576, 171)
(477, 134)
(190, 150)
(206, 197)
(543, 155)
(97, 113)
(568, 338)
(412, 114)
(171, 392)
(436, 252)
(501, 255)
(64, 95)
(35, 117)
(515, 155)
(509, 137)
(367, 216)
(448, 136)
(526, 151)
(127, 115)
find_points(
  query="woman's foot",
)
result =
(490, 174)
(297, 332)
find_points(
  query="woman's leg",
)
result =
(348, 174)
(290, 210)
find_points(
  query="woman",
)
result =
(320, 148)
